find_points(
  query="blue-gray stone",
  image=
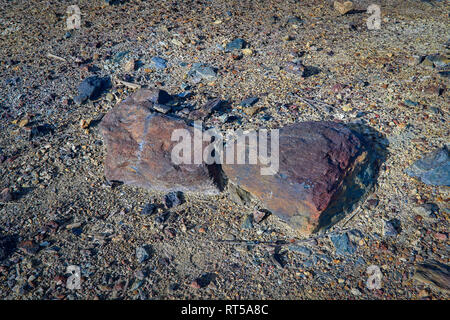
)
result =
(159, 62)
(236, 44)
(142, 254)
(149, 209)
(310, 263)
(411, 103)
(300, 249)
(185, 94)
(249, 102)
(324, 258)
(438, 60)
(201, 70)
(174, 199)
(119, 56)
(92, 88)
(343, 244)
(295, 21)
(247, 223)
(360, 261)
(433, 168)
(445, 74)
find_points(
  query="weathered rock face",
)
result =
(139, 147)
(317, 162)
(434, 273)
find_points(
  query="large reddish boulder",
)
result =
(139, 147)
(317, 162)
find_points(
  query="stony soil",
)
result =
(65, 213)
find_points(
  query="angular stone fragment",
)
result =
(202, 71)
(436, 60)
(91, 88)
(294, 21)
(139, 146)
(156, 96)
(297, 67)
(343, 244)
(173, 199)
(320, 175)
(6, 195)
(206, 110)
(159, 62)
(433, 168)
(236, 44)
(343, 7)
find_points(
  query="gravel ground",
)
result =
(64, 212)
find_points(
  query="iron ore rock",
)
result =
(139, 146)
(320, 175)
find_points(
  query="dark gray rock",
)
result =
(142, 254)
(236, 44)
(202, 71)
(204, 111)
(91, 88)
(174, 199)
(433, 168)
(159, 63)
(445, 74)
(297, 67)
(7, 246)
(149, 209)
(343, 244)
(392, 228)
(249, 101)
(6, 195)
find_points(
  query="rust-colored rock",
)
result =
(317, 162)
(139, 147)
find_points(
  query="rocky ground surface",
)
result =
(303, 61)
